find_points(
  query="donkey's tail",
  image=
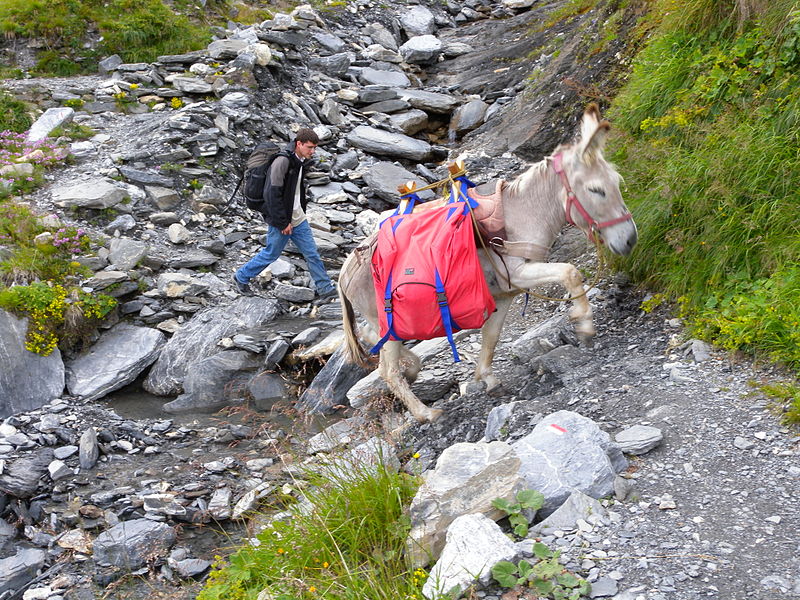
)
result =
(354, 351)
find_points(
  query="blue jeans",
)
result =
(276, 242)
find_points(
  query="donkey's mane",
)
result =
(532, 197)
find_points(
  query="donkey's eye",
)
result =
(598, 191)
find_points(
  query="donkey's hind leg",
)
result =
(410, 363)
(391, 374)
(490, 334)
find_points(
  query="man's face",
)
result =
(305, 150)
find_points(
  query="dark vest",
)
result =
(280, 185)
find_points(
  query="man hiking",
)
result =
(284, 211)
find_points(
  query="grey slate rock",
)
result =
(145, 177)
(370, 76)
(211, 383)
(116, 359)
(275, 353)
(266, 389)
(335, 65)
(89, 449)
(383, 177)
(27, 380)
(565, 452)
(21, 478)
(131, 543)
(20, 569)
(639, 439)
(198, 339)
(329, 388)
(577, 506)
(52, 118)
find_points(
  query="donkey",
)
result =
(574, 185)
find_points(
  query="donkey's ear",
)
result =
(594, 132)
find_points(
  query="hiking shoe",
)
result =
(331, 293)
(243, 288)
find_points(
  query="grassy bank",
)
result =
(709, 144)
(75, 34)
(41, 257)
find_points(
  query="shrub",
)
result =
(40, 155)
(55, 314)
(346, 542)
(14, 114)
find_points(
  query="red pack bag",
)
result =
(428, 279)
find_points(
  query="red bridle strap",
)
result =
(572, 199)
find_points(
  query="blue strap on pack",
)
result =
(387, 307)
(447, 320)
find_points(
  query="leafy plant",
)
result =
(526, 499)
(546, 576)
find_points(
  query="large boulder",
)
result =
(199, 337)
(467, 477)
(130, 544)
(27, 380)
(115, 360)
(474, 545)
(565, 452)
(386, 143)
(211, 383)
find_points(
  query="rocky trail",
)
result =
(97, 501)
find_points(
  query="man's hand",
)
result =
(287, 230)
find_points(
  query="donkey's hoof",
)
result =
(434, 414)
(429, 416)
(586, 341)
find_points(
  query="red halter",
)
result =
(594, 226)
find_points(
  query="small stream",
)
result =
(134, 403)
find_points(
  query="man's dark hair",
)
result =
(306, 135)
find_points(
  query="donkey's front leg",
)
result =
(532, 274)
(391, 373)
(490, 333)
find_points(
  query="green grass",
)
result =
(346, 542)
(710, 150)
(14, 115)
(141, 30)
(570, 9)
(787, 397)
(137, 30)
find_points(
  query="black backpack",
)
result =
(255, 174)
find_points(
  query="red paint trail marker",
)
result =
(557, 429)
